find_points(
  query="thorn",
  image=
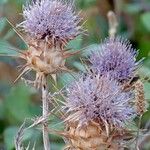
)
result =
(19, 137)
(22, 67)
(28, 146)
(66, 69)
(52, 131)
(26, 70)
(54, 76)
(107, 128)
(13, 49)
(16, 31)
(69, 54)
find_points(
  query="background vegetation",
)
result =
(18, 101)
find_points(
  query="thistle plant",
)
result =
(98, 105)
(102, 101)
(49, 25)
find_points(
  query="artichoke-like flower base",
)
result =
(44, 59)
(93, 137)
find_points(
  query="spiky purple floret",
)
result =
(93, 98)
(116, 57)
(54, 19)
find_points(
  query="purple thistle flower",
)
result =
(52, 19)
(116, 57)
(99, 98)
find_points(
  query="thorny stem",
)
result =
(45, 113)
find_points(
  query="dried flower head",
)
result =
(54, 20)
(116, 57)
(140, 98)
(99, 98)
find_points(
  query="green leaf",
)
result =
(66, 78)
(85, 3)
(146, 90)
(144, 47)
(57, 146)
(17, 103)
(6, 48)
(146, 20)
(2, 2)
(144, 71)
(1, 110)
(79, 66)
(76, 43)
(9, 34)
(133, 8)
(10, 133)
(90, 49)
(2, 24)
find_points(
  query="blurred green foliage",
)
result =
(18, 101)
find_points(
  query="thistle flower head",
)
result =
(116, 57)
(99, 98)
(52, 19)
